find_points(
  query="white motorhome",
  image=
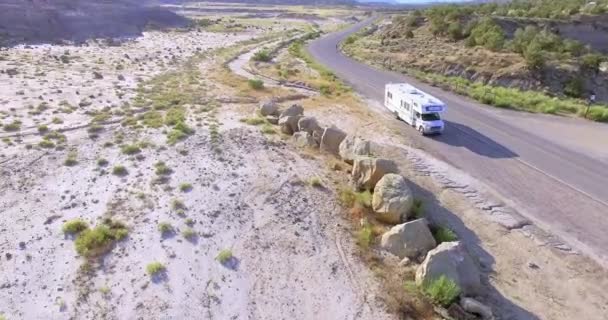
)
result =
(416, 107)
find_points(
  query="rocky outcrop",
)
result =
(353, 146)
(473, 306)
(289, 124)
(331, 139)
(310, 125)
(58, 20)
(409, 240)
(293, 110)
(451, 259)
(304, 139)
(367, 171)
(392, 200)
(269, 108)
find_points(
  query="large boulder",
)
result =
(304, 139)
(353, 146)
(451, 259)
(367, 171)
(294, 110)
(309, 124)
(289, 124)
(269, 108)
(603, 67)
(409, 240)
(393, 199)
(331, 139)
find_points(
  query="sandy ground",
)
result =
(292, 256)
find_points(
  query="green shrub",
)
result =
(74, 226)
(102, 162)
(488, 34)
(43, 128)
(455, 31)
(46, 144)
(189, 234)
(262, 56)
(443, 234)
(165, 228)
(365, 236)
(574, 88)
(597, 113)
(418, 208)
(256, 84)
(152, 119)
(175, 115)
(534, 55)
(224, 256)
(155, 268)
(348, 198)
(442, 291)
(130, 149)
(185, 187)
(315, 182)
(99, 240)
(162, 169)
(592, 61)
(71, 160)
(13, 126)
(120, 171)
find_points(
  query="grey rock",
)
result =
(304, 139)
(272, 119)
(408, 240)
(451, 259)
(310, 125)
(368, 171)
(331, 139)
(294, 110)
(353, 146)
(289, 124)
(393, 199)
(269, 108)
(473, 306)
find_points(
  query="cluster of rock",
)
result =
(392, 202)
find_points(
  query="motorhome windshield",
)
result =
(430, 116)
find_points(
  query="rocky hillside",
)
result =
(563, 57)
(36, 21)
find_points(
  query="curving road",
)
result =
(554, 169)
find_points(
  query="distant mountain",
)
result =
(35, 21)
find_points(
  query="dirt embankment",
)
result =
(45, 21)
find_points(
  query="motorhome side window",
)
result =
(389, 95)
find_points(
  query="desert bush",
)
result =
(365, 236)
(534, 55)
(74, 226)
(442, 291)
(262, 56)
(13, 126)
(224, 255)
(574, 88)
(97, 241)
(443, 234)
(418, 208)
(185, 187)
(592, 61)
(488, 34)
(130, 149)
(455, 31)
(155, 268)
(256, 84)
(120, 171)
(165, 228)
(598, 113)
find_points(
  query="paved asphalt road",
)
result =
(553, 169)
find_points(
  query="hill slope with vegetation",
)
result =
(543, 56)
